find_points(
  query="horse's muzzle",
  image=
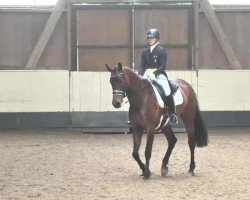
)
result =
(116, 104)
(117, 98)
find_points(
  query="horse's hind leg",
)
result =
(191, 143)
(171, 143)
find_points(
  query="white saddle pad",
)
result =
(178, 98)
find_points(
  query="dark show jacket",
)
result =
(155, 59)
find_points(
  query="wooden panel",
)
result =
(34, 91)
(46, 34)
(220, 35)
(209, 90)
(177, 58)
(189, 76)
(217, 91)
(55, 53)
(173, 27)
(94, 59)
(91, 91)
(172, 24)
(211, 55)
(103, 27)
(21, 31)
(237, 31)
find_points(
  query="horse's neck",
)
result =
(135, 90)
(135, 83)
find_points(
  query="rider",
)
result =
(153, 65)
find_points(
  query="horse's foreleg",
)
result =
(171, 143)
(148, 151)
(137, 135)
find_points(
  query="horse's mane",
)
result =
(144, 82)
(128, 71)
(125, 69)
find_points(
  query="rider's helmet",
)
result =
(153, 33)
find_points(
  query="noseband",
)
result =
(119, 92)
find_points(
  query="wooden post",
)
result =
(47, 31)
(69, 33)
(215, 24)
(196, 35)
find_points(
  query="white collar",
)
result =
(153, 46)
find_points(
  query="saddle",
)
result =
(172, 85)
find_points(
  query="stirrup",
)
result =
(173, 119)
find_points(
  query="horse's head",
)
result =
(118, 83)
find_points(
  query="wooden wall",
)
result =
(108, 35)
(102, 37)
(63, 91)
(105, 38)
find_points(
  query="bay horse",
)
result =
(145, 113)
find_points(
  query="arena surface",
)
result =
(68, 165)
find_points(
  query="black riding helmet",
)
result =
(153, 33)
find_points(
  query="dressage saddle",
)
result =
(172, 85)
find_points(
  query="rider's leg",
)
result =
(169, 99)
(172, 109)
(163, 81)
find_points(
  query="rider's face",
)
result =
(151, 40)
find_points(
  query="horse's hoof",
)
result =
(143, 177)
(164, 171)
(191, 173)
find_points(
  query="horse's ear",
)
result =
(108, 68)
(119, 66)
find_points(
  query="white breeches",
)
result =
(161, 80)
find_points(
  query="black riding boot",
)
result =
(171, 109)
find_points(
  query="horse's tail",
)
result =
(200, 129)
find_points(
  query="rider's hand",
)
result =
(151, 76)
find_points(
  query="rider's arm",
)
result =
(162, 61)
(142, 67)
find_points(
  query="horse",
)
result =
(145, 114)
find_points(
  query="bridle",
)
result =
(119, 92)
(123, 93)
